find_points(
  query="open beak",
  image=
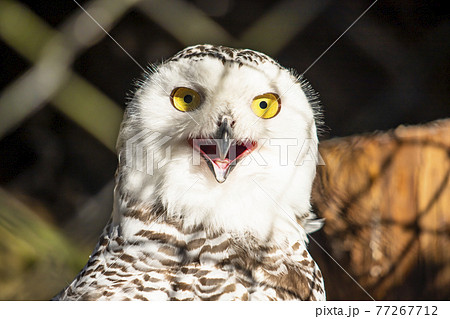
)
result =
(222, 152)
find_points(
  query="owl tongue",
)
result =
(221, 169)
(222, 164)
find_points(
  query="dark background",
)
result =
(64, 83)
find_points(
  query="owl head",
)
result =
(223, 138)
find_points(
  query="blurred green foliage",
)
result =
(32, 251)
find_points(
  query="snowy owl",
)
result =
(216, 156)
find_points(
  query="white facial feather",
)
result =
(267, 190)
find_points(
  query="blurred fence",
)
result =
(64, 82)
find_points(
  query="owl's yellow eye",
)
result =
(267, 105)
(185, 99)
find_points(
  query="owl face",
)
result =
(239, 128)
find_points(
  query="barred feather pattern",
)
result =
(164, 261)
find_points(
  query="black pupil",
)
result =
(187, 98)
(263, 104)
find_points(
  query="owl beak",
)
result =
(224, 137)
(222, 152)
(222, 166)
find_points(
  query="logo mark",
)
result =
(140, 151)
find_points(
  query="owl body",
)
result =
(225, 220)
(168, 262)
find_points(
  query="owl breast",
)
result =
(164, 262)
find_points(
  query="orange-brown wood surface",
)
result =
(385, 198)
